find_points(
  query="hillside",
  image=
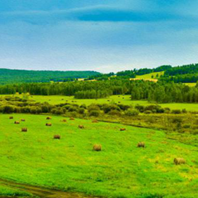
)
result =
(20, 76)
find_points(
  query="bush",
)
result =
(35, 110)
(132, 112)
(8, 109)
(93, 107)
(94, 113)
(148, 112)
(140, 108)
(176, 111)
(58, 111)
(81, 111)
(114, 112)
(109, 107)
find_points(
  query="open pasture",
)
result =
(150, 76)
(69, 163)
(119, 99)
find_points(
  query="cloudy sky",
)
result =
(102, 35)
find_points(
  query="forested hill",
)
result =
(8, 76)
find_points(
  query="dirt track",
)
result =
(40, 191)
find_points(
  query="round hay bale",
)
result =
(48, 124)
(81, 127)
(178, 161)
(23, 120)
(122, 129)
(58, 137)
(11, 117)
(141, 144)
(72, 118)
(48, 118)
(16, 122)
(24, 129)
(97, 147)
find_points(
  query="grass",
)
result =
(126, 99)
(119, 170)
(190, 84)
(149, 76)
(8, 191)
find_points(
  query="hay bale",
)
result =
(64, 120)
(141, 144)
(23, 120)
(48, 124)
(58, 137)
(72, 118)
(178, 161)
(94, 121)
(97, 147)
(122, 129)
(24, 129)
(81, 127)
(16, 122)
(11, 117)
(48, 118)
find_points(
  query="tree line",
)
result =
(161, 92)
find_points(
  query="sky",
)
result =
(100, 35)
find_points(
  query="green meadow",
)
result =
(153, 75)
(121, 169)
(122, 99)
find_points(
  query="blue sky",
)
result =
(102, 35)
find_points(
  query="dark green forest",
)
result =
(19, 76)
(161, 92)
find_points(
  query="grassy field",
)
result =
(126, 99)
(119, 170)
(149, 76)
(191, 84)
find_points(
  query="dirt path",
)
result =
(42, 192)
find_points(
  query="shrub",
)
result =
(148, 112)
(140, 108)
(132, 112)
(35, 110)
(114, 112)
(93, 107)
(94, 113)
(176, 111)
(109, 107)
(58, 111)
(8, 109)
(81, 111)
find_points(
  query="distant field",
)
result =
(149, 76)
(191, 84)
(117, 99)
(119, 170)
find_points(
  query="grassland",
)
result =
(155, 75)
(126, 99)
(191, 84)
(119, 170)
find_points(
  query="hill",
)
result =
(20, 76)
